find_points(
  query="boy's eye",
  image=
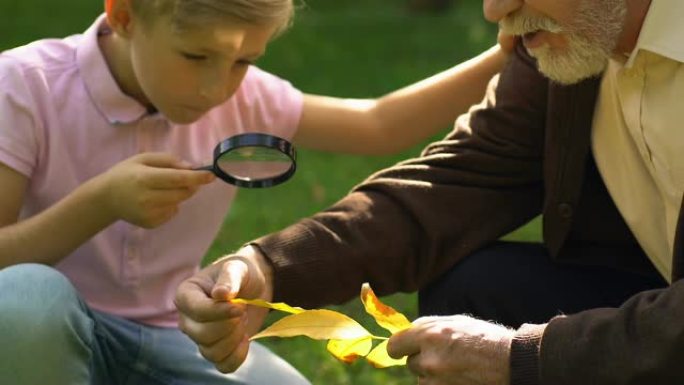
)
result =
(193, 57)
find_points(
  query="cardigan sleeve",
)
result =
(407, 224)
(641, 342)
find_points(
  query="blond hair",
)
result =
(192, 13)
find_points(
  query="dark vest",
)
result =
(581, 220)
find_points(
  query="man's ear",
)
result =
(119, 16)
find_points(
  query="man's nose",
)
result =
(495, 10)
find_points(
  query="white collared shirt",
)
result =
(638, 133)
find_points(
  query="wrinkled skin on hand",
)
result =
(455, 350)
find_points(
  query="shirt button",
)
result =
(565, 210)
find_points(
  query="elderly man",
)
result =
(581, 126)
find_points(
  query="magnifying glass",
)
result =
(253, 160)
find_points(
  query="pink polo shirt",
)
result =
(63, 120)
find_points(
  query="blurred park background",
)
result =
(352, 48)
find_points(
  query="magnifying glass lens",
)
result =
(253, 163)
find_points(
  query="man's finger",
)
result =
(225, 346)
(230, 279)
(414, 365)
(193, 302)
(236, 358)
(210, 333)
(403, 343)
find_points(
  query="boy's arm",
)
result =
(47, 237)
(144, 190)
(400, 119)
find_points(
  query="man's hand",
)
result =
(222, 329)
(455, 350)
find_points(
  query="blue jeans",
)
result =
(48, 335)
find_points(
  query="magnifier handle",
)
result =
(204, 168)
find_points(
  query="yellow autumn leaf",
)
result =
(318, 324)
(348, 340)
(384, 315)
(379, 358)
(349, 350)
(276, 306)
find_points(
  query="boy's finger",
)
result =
(161, 159)
(166, 178)
(163, 198)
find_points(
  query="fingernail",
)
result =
(220, 292)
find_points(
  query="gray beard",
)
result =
(600, 23)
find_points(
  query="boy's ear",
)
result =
(119, 16)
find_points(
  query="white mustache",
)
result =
(519, 24)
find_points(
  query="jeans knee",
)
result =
(36, 297)
(43, 321)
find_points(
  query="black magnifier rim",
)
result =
(255, 140)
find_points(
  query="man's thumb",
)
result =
(229, 281)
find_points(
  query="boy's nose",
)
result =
(215, 92)
(495, 10)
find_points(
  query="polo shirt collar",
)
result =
(109, 99)
(662, 31)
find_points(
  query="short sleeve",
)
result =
(19, 144)
(269, 104)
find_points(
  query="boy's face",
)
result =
(185, 74)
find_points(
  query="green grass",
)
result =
(354, 48)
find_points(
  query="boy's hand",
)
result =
(506, 42)
(146, 189)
